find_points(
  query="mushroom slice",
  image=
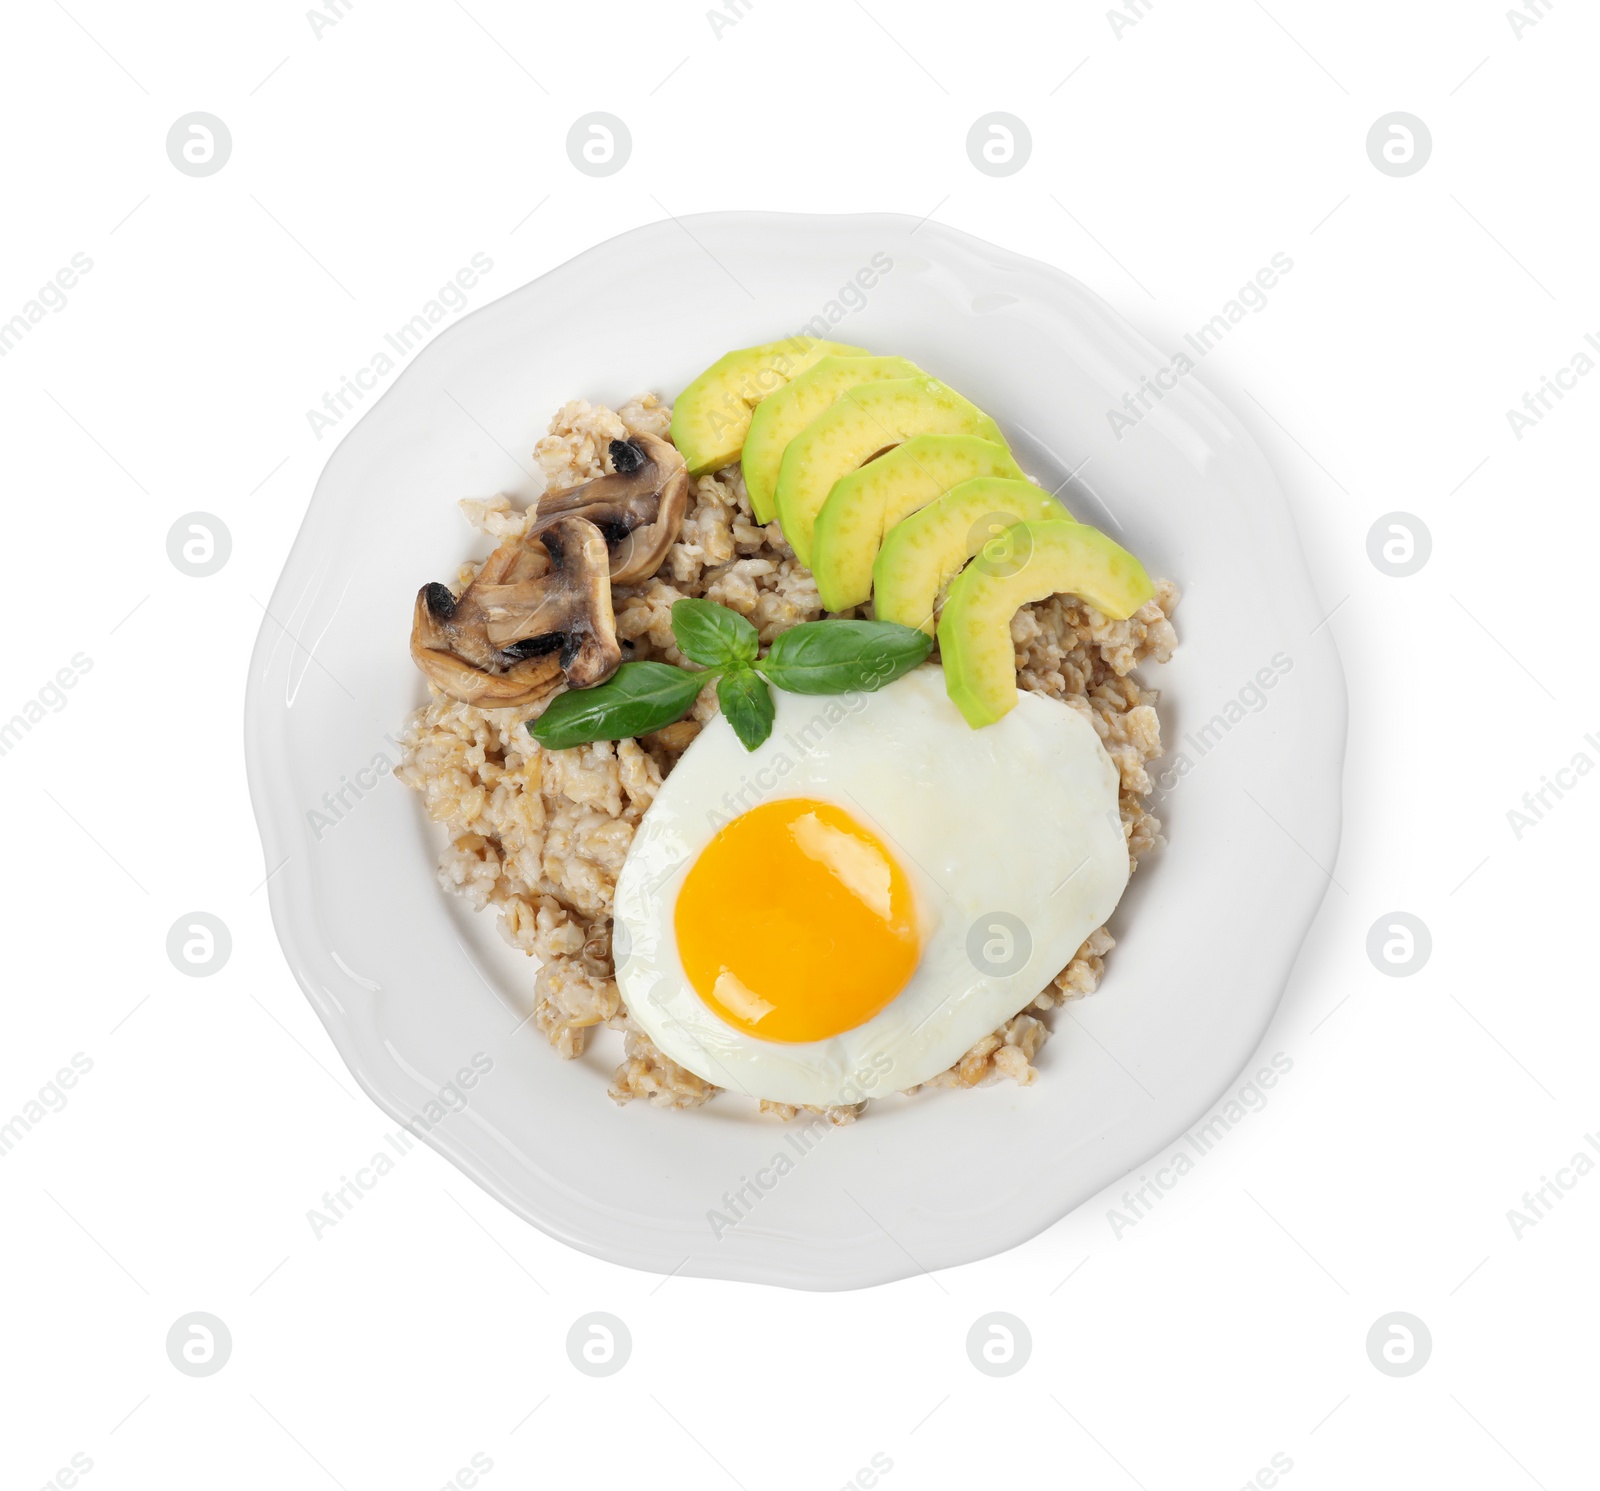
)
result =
(539, 610)
(639, 505)
(567, 608)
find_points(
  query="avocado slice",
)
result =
(866, 504)
(923, 553)
(781, 416)
(711, 415)
(855, 427)
(1031, 561)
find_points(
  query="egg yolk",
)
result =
(796, 923)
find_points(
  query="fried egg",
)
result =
(845, 911)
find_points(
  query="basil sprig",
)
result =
(817, 657)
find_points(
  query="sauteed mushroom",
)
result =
(539, 610)
(639, 506)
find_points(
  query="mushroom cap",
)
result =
(638, 506)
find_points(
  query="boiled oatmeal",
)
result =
(540, 835)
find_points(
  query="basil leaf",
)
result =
(712, 634)
(636, 699)
(836, 657)
(747, 702)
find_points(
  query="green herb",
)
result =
(747, 702)
(818, 657)
(837, 657)
(713, 635)
(636, 699)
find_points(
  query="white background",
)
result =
(1171, 160)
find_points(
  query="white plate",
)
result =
(411, 985)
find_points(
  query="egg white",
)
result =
(1018, 820)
